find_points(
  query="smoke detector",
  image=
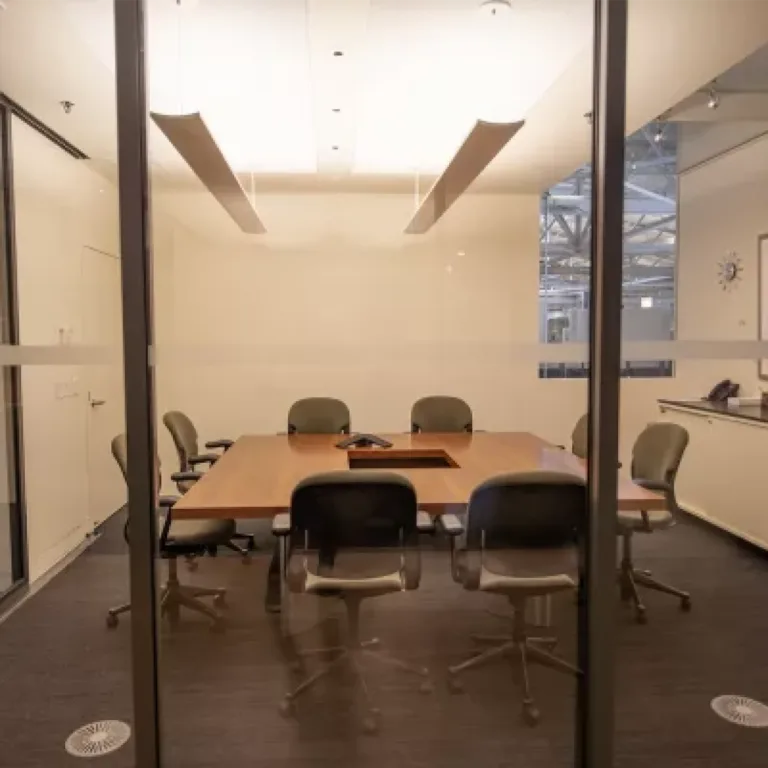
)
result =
(495, 8)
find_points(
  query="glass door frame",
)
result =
(594, 738)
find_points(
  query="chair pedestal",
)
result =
(630, 578)
(521, 650)
(174, 595)
(355, 654)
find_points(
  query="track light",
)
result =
(658, 137)
(714, 98)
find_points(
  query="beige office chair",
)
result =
(519, 542)
(178, 539)
(355, 535)
(441, 413)
(319, 416)
(656, 457)
(186, 440)
(580, 437)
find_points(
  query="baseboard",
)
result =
(53, 556)
(700, 514)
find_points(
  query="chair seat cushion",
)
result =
(523, 572)
(372, 585)
(186, 534)
(634, 521)
(524, 585)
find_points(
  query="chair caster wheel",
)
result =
(455, 685)
(531, 714)
(371, 724)
(685, 604)
(112, 620)
(220, 600)
(287, 708)
(426, 687)
(640, 615)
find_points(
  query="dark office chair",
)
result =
(440, 413)
(656, 457)
(355, 536)
(319, 416)
(185, 439)
(178, 539)
(519, 542)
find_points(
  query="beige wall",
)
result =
(336, 301)
(60, 208)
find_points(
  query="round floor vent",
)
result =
(741, 711)
(97, 739)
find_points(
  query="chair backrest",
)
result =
(526, 510)
(184, 436)
(120, 452)
(371, 515)
(580, 437)
(658, 451)
(320, 416)
(441, 413)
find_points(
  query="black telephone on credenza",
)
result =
(722, 391)
(363, 441)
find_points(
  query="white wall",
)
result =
(60, 208)
(723, 208)
(336, 301)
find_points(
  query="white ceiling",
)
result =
(414, 76)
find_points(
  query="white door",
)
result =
(103, 384)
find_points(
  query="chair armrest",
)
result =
(281, 524)
(166, 502)
(451, 525)
(225, 444)
(424, 522)
(203, 458)
(186, 477)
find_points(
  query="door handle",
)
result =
(96, 403)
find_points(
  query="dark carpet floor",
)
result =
(60, 667)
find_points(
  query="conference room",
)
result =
(383, 382)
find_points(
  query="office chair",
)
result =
(185, 439)
(440, 413)
(355, 537)
(656, 457)
(178, 539)
(519, 542)
(319, 416)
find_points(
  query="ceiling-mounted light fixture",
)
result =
(658, 137)
(481, 146)
(193, 141)
(495, 7)
(714, 97)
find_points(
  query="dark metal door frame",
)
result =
(596, 615)
(10, 376)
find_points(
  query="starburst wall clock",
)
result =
(729, 270)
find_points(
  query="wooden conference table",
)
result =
(255, 478)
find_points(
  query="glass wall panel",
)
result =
(64, 662)
(691, 669)
(348, 127)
